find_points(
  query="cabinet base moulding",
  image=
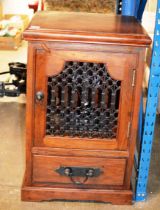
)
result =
(117, 197)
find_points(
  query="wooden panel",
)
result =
(112, 169)
(115, 69)
(87, 27)
(117, 197)
(30, 111)
(80, 152)
(81, 143)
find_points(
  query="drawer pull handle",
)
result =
(73, 172)
(78, 182)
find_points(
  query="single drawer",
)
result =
(78, 170)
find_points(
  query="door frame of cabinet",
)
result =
(51, 63)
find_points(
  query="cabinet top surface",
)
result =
(86, 27)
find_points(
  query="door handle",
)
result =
(39, 96)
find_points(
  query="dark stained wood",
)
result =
(85, 47)
(48, 64)
(30, 112)
(80, 152)
(44, 169)
(135, 116)
(117, 197)
(68, 142)
(86, 27)
(119, 43)
(61, 56)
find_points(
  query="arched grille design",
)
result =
(83, 101)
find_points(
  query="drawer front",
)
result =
(50, 169)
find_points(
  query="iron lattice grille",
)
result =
(83, 101)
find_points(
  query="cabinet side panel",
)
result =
(29, 112)
(135, 116)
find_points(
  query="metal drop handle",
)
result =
(68, 172)
(74, 172)
(39, 96)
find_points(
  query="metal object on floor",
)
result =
(17, 84)
(150, 115)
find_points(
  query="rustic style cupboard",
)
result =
(84, 83)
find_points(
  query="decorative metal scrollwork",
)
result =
(83, 101)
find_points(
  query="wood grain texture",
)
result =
(135, 115)
(55, 38)
(80, 152)
(117, 197)
(78, 143)
(30, 112)
(61, 56)
(112, 170)
(86, 27)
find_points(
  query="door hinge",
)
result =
(133, 78)
(129, 129)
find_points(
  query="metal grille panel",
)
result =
(83, 101)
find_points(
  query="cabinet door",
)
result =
(83, 99)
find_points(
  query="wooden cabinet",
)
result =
(83, 91)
